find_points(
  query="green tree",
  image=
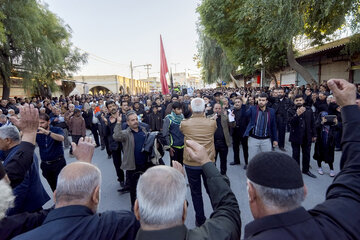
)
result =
(36, 46)
(260, 33)
(213, 60)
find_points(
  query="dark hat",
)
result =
(357, 95)
(76, 110)
(217, 94)
(233, 95)
(275, 170)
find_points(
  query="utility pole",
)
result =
(132, 78)
(147, 66)
(175, 65)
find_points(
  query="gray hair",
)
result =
(161, 193)
(6, 198)
(10, 132)
(129, 113)
(77, 182)
(197, 105)
(285, 199)
(3, 116)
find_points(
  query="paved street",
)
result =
(112, 200)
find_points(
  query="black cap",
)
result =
(275, 170)
(76, 110)
(217, 94)
(233, 95)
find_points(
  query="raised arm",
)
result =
(343, 196)
(226, 214)
(23, 158)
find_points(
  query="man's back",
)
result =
(337, 217)
(200, 130)
(78, 222)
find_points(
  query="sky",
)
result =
(115, 32)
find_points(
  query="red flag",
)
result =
(163, 69)
(258, 79)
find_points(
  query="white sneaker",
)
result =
(320, 171)
(332, 173)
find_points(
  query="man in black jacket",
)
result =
(238, 132)
(281, 106)
(302, 133)
(279, 215)
(115, 147)
(77, 198)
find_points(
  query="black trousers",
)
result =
(51, 170)
(116, 156)
(281, 128)
(222, 149)
(178, 155)
(237, 140)
(107, 146)
(133, 176)
(94, 129)
(306, 148)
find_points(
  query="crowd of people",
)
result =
(196, 130)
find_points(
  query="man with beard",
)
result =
(281, 106)
(238, 132)
(302, 133)
(261, 129)
(132, 138)
(222, 138)
(115, 147)
(50, 141)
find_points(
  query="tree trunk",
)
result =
(273, 77)
(297, 67)
(6, 86)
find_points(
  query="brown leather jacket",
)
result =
(201, 130)
(77, 126)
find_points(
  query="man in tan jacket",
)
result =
(201, 130)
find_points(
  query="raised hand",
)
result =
(178, 166)
(344, 92)
(197, 152)
(29, 120)
(84, 150)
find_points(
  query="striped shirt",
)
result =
(262, 123)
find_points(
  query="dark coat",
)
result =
(155, 121)
(241, 121)
(12, 226)
(30, 194)
(325, 152)
(79, 222)
(336, 217)
(281, 107)
(302, 128)
(88, 116)
(321, 105)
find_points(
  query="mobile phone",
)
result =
(330, 118)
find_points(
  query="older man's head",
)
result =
(161, 193)
(78, 184)
(9, 137)
(197, 105)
